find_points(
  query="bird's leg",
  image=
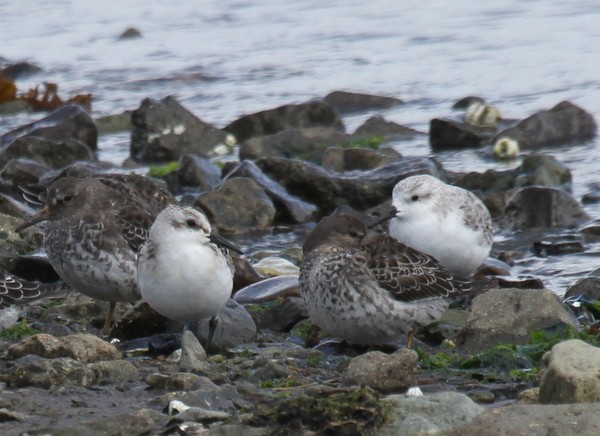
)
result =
(212, 326)
(108, 320)
(410, 339)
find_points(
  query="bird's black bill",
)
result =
(384, 218)
(222, 242)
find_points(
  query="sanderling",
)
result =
(444, 221)
(91, 238)
(368, 288)
(184, 271)
(16, 291)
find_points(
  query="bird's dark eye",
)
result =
(191, 223)
(414, 197)
(67, 198)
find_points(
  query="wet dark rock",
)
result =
(164, 131)
(198, 172)
(130, 33)
(589, 286)
(541, 207)
(66, 122)
(266, 369)
(342, 159)
(117, 425)
(245, 274)
(139, 321)
(383, 372)
(237, 206)
(278, 316)
(47, 152)
(181, 381)
(22, 171)
(481, 396)
(81, 347)
(114, 372)
(114, 123)
(291, 116)
(48, 373)
(569, 374)
(377, 125)
(346, 102)
(431, 414)
(558, 246)
(509, 316)
(563, 124)
(19, 70)
(305, 144)
(289, 208)
(235, 327)
(445, 134)
(535, 419)
(329, 190)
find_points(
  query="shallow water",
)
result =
(224, 59)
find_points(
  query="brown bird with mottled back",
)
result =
(368, 288)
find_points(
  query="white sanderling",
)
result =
(368, 288)
(447, 222)
(184, 271)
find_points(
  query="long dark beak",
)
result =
(222, 242)
(384, 218)
(42, 215)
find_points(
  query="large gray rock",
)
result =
(23, 171)
(198, 172)
(49, 373)
(357, 158)
(430, 414)
(446, 134)
(237, 206)
(541, 207)
(305, 143)
(357, 189)
(66, 122)
(570, 373)
(52, 153)
(291, 116)
(165, 130)
(533, 420)
(564, 123)
(288, 207)
(379, 126)
(383, 372)
(509, 316)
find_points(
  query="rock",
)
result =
(237, 206)
(357, 158)
(139, 321)
(299, 143)
(22, 171)
(534, 420)
(589, 286)
(558, 245)
(271, 289)
(199, 414)
(51, 153)
(289, 208)
(563, 124)
(66, 122)
(19, 70)
(267, 369)
(193, 356)
(268, 122)
(165, 130)
(81, 347)
(181, 381)
(379, 126)
(48, 373)
(276, 266)
(235, 327)
(347, 102)
(570, 374)
(359, 190)
(198, 172)
(383, 372)
(430, 414)
(130, 33)
(13, 243)
(445, 134)
(245, 274)
(279, 316)
(114, 425)
(114, 372)
(541, 207)
(509, 316)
